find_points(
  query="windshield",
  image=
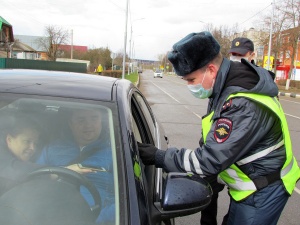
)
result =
(57, 162)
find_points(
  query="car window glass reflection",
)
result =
(36, 134)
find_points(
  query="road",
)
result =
(180, 114)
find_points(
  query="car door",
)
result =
(147, 130)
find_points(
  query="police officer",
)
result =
(245, 134)
(242, 48)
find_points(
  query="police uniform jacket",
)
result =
(241, 127)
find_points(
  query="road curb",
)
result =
(293, 95)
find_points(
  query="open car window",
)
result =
(57, 157)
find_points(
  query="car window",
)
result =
(76, 141)
(144, 118)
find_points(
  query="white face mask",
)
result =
(199, 91)
(237, 58)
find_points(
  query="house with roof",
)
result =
(6, 38)
(23, 51)
(33, 42)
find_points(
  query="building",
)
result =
(23, 51)
(78, 48)
(285, 54)
(33, 42)
(6, 38)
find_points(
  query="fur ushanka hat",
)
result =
(193, 52)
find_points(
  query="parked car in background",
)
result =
(158, 73)
(52, 194)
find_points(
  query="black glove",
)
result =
(147, 153)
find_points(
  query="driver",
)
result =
(89, 150)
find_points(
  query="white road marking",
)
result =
(293, 116)
(194, 113)
(288, 101)
(177, 100)
(297, 190)
(166, 92)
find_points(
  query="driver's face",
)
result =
(23, 145)
(85, 126)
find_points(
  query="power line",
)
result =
(25, 16)
(255, 14)
(117, 5)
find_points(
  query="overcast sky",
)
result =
(156, 24)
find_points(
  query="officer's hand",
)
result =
(147, 153)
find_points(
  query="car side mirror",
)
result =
(183, 194)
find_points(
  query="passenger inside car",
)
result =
(19, 141)
(84, 143)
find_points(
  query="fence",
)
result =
(42, 65)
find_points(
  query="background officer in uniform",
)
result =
(245, 137)
(242, 48)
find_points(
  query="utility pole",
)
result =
(125, 40)
(270, 38)
(130, 53)
(72, 44)
(131, 43)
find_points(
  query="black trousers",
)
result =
(209, 214)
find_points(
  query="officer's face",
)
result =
(237, 57)
(204, 76)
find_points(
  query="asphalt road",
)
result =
(180, 114)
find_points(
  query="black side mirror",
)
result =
(184, 194)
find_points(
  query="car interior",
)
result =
(53, 189)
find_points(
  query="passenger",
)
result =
(19, 140)
(86, 147)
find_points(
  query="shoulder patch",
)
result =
(222, 129)
(227, 104)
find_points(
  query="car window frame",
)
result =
(151, 174)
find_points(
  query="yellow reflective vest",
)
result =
(240, 185)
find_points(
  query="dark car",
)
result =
(117, 189)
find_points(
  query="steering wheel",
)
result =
(74, 178)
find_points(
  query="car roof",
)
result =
(56, 83)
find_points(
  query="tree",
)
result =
(54, 37)
(118, 61)
(292, 11)
(278, 28)
(98, 56)
(286, 31)
(222, 34)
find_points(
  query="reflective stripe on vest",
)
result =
(260, 154)
(240, 185)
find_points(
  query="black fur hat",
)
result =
(193, 52)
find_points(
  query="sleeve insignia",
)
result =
(222, 129)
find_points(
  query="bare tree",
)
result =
(222, 35)
(292, 10)
(54, 38)
(286, 31)
(118, 61)
(278, 28)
